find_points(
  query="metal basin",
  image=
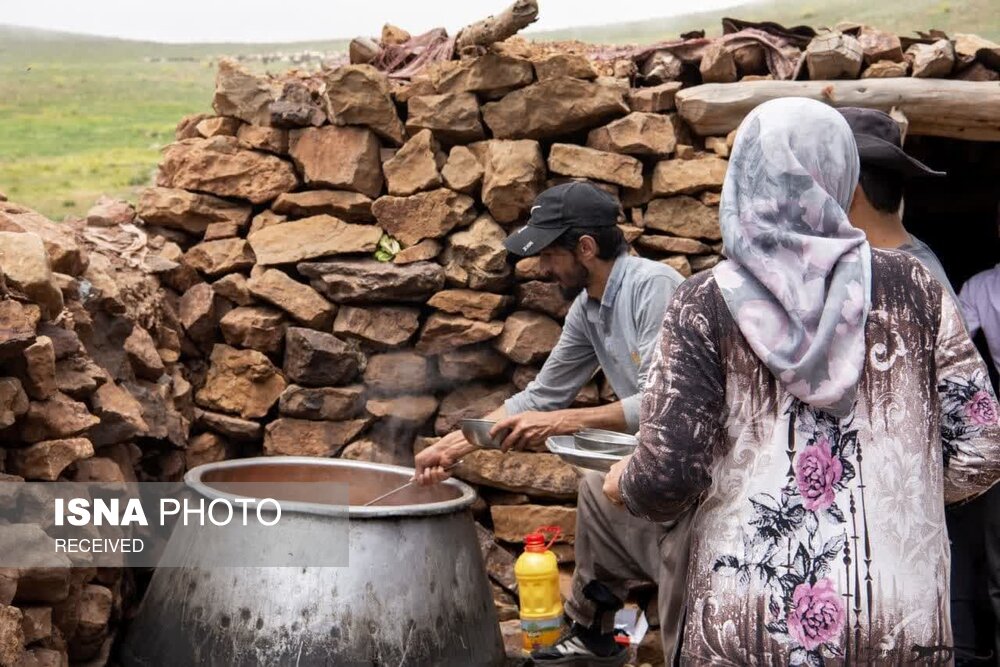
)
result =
(415, 592)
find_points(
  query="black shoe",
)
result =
(581, 647)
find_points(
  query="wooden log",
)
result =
(498, 28)
(935, 107)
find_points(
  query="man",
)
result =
(613, 323)
(877, 210)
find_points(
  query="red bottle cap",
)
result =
(535, 542)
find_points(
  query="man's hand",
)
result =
(529, 428)
(430, 464)
(611, 482)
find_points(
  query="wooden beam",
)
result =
(934, 107)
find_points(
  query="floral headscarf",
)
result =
(798, 277)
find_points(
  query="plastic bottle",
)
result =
(537, 572)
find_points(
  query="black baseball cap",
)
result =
(880, 143)
(567, 205)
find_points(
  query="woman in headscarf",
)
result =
(815, 402)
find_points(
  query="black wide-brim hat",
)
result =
(880, 143)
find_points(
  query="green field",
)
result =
(83, 116)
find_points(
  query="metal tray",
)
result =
(564, 446)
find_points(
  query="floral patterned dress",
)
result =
(817, 540)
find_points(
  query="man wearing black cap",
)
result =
(613, 323)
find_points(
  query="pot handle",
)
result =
(554, 531)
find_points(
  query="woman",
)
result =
(818, 402)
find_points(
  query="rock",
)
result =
(40, 368)
(932, 61)
(679, 263)
(56, 417)
(296, 107)
(399, 373)
(710, 198)
(220, 167)
(314, 358)
(218, 126)
(242, 382)
(25, 266)
(348, 206)
(414, 409)
(416, 166)
(674, 177)
(187, 127)
(96, 603)
(483, 306)
(119, 413)
(655, 99)
(108, 212)
(47, 459)
(204, 448)
(480, 247)
(514, 175)
(683, 216)
(879, 45)
(322, 403)
(445, 332)
(471, 401)
(704, 262)
(300, 301)
(98, 469)
(65, 342)
(65, 254)
(529, 268)
(79, 377)
(36, 623)
(499, 562)
(425, 250)
(977, 72)
(189, 212)
(317, 236)
(18, 323)
(301, 437)
(240, 94)
(453, 117)
(199, 313)
(662, 66)
(630, 232)
(215, 258)
(394, 35)
(270, 139)
(834, 55)
(423, 215)
(13, 401)
(471, 363)
(544, 297)
(338, 157)
(513, 641)
(386, 326)
(672, 244)
(581, 162)
(233, 287)
(528, 337)
(538, 475)
(255, 327)
(486, 74)
(553, 108)
(221, 230)
(231, 427)
(462, 171)
(266, 219)
(370, 281)
(359, 95)
(512, 522)
(717, 145)
(11, 636)
(718, 65)
(564, 65)
(523, 375)
(635, 134)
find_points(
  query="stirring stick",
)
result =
(401, 487)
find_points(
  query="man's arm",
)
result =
(967, 304)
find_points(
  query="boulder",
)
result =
(216, 258)
(317, 236)
(242, 382)
(233, 428)
(537, 475)
(300, 301)
(218, 126)
(384, 326)
(269, 139)
(718, 64)
(528, 337)
(879, 45)
(55, 418)
(108, 212)
(322, 403)
(303, 437)
(199, 312)
(545, 297)
(219, 166)
(399, 373)
(932, 61)
(683, 216)
(512, 522)
(256, 327)
(654, 99)
(25, 265)
(338, 157)
(425, 250)
(452, 117)
(462, 172)
(514, 175)
(444, 332)
(483, 306)
(581, 162)
(65, 254)
(46, 460)
(486, 74)
(479, 247)
(343, 204)
(314, 358)
(416, 166)
(672, 244)
(189, 212)
(413, 409)
(359, 95)
(205, 448)
(470, 402)
(885, 69)
(675, 177)
(558, 65)
(370, 281)
(553, 108)
(296, 107)
(423, 215)
(471, 363)
(40, 368)
(636, 134)
(834, 55)
(240, 94)
(13, 401)
(120, 414)
(221, 230)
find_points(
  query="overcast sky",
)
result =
(299, 20)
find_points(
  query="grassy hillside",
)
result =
(81, 116)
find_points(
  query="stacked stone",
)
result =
(90, 391)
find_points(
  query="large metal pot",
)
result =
(415, 592)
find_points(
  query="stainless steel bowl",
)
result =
(564, 446)
(477, 431)
(605, 442)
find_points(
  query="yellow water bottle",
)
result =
(537, 572)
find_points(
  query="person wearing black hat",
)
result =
(613, 323)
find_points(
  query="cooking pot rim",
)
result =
(467, 495)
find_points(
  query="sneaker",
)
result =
(580, 647)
